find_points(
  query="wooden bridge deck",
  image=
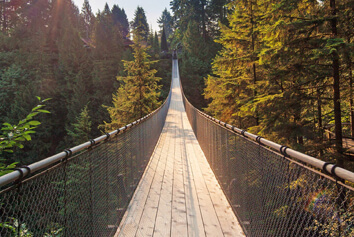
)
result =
(178, 194)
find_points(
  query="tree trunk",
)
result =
(351, 102)
(254, 59)
(319, 114)
(336, 90)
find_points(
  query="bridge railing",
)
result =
(82, 191)
(274, 190)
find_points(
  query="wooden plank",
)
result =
(146, 224)
(227, 219)
(210, 219)
(164, 213)
(194, 216)
(130, 221)
(179, 213)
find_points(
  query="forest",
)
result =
(280, 69)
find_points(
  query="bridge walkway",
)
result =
(178, 194)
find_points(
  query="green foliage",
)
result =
(139, 91)
(275, 72)
(196, 27)
(14, 135)
(156, 45)
(166, 23)
(53, 50)
(139, 24)
(21, 229)
(164, 46)
(120, 17)
(81, 130)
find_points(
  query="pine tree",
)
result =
(166, 23)
(81, 130)
(140, 24)
(106, 66)
(240, 56)
(88, 19)
(139, 91)
(119, 17)
(156, 45)
(164, 46)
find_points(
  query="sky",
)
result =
(153, 8)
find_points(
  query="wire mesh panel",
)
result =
(82, 195)
(271, 194)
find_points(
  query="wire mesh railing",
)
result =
(82, 191)
(274, 190)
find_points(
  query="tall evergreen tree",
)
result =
(140, 24)
(139, 91)
(156, 45)
(107, 64)
(164, 46)
(166, 23)
(119, 17)
(88, 19)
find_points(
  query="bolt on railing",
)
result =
(274, 190)
(82, 191)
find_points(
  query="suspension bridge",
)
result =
(178, 172)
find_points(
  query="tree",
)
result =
(139, 24)
(139, 91)
(82, 128)
(164, 46)
(166, 23)
(88, 19)
(156, 44)
(119, 17)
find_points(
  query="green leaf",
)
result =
(44, 111)
(8, 125)
(22, 122)
(27, 137)
(46, 100)
(37, 107)
(34, 123)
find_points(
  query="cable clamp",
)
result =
(243, 133)
(324, 168)
(283, 151)
(93, 143)
(258, 139)
(68, 154)
(108, 136)
(20, 179)
(333, 171)
(22, 175)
